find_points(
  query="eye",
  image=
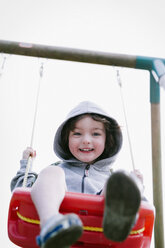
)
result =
(76, 133)
(96, 134)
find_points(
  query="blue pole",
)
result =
(156, 161)
(154, 90)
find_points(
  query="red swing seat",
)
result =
(23, 221)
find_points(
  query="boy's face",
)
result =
(87, 140)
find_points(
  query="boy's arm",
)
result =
(138, 177)
(17, 181)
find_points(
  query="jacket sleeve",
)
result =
(17, 181)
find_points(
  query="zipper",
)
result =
(86, 174)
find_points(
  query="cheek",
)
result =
(72, 144)
(101, 144)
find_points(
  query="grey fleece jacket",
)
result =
(80, 176)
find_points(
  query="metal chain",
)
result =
(2, 66)
(30, 160)
(125, 116)
(36, 105)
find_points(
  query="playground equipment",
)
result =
(23, 221)
(156, 68)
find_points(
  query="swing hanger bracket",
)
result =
(158, 72)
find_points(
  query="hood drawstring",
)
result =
(86, 174)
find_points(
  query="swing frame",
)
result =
(156, 68)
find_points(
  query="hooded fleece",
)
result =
(80, 177)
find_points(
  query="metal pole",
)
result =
(77, 55)
(70, 54)
(156, 162)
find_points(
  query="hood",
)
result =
(87, 107)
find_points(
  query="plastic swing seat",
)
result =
(23, 221)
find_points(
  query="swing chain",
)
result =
(118, 78)
(3, 65)
(41, 71)
(30, 160)
(119, 81)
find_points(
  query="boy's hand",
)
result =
(29, 152)
(138, 174)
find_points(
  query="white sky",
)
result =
(129, 27)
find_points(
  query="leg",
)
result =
(122, 202)
(47, 194)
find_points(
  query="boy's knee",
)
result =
(52, 171)
(51, 175)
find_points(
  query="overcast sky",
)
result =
(128, 27)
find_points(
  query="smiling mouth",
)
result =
(86, 149)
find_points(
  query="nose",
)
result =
(86, 139)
